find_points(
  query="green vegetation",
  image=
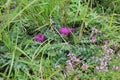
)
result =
(81, 40)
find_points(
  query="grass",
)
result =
(22, 58)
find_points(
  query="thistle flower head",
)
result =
(39, 38)
(64, 31)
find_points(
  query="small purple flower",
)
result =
(115, 67)
(64, 31)
(39, 38)
(70, 55)
(106, 42)
(99, 67)
(102, 68)
(77, 60)
(68, 63)
(84, 66)
(110, 51)
(105, 69)
(74, 59)
(103, 63)
(107, 57)
(93, 39)
(104, 47)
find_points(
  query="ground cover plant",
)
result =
(59, 39)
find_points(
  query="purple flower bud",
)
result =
(39, 38)
(64, 31)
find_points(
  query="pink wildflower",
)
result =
(110, 51)
(95, 58)
(93, 39)
(70, 55)
(115, 67)
(68, 63)
(106, 42)
(107, 57)
(102, 68)
(84, 66)
(64, 31)
(74, 59)
(103, 63)
(39, 38)
(105, 69)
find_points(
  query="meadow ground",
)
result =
(59, 39)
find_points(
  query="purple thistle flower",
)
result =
(64, 31)
(39, 38)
